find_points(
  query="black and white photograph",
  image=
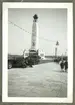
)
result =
(37, 52)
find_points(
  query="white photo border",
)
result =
(69, 7)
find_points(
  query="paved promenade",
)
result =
(43, 80)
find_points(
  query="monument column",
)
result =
(34, 38)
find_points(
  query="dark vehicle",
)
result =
(34, 56)
(34, 59)
(21, 62)
(16, 61)
(58, 59)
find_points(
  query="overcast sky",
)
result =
(52, 25)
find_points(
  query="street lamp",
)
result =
(57, 44)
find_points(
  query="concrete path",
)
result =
(44, 80)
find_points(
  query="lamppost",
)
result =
(56, 48)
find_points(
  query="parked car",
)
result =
(16, 62)
(57, 60)
(21, 62)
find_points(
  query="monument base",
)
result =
(33, 53)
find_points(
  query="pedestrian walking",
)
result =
(66, 65)
(62, 65)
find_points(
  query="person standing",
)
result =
(66, 65)
(62, 65)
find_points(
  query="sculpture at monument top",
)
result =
(35, 17)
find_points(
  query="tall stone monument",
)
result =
(34, 37)
(34, 50)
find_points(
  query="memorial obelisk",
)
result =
(34, 37)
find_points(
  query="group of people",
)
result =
(64, 65)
